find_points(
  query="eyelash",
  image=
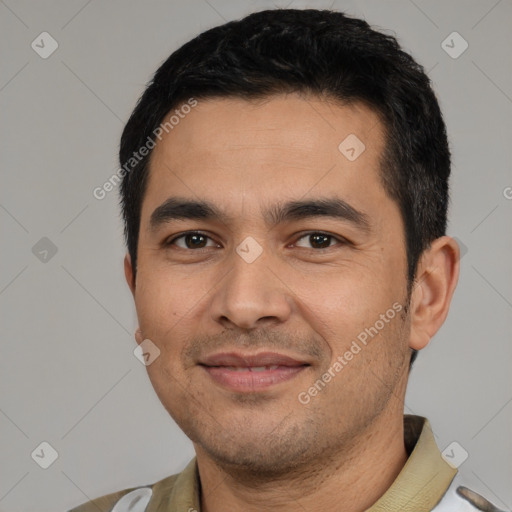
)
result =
(339, 239)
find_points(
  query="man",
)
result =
(285, 189)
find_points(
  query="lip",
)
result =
(251, 372)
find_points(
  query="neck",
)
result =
(351, 480)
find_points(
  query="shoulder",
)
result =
(458, 498)
(134, 499)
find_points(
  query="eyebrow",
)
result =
(176, 208)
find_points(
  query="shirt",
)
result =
(426, 483)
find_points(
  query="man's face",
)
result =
(254, 313)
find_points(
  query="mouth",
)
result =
(250, 373)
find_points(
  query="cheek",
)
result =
(168, 309)
(162, 299)
(164, 309)
(346, 302)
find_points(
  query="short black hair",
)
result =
(319, 52)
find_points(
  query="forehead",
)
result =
(281, 146)
(304, 124)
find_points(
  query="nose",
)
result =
(251, 295)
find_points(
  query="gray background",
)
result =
(68, 375)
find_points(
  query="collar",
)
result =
(425, 476)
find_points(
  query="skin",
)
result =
(266, 450)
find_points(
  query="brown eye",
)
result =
(317, 240)
(192, 240)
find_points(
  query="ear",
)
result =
(436, 278)
(128, 273)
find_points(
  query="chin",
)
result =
(260, 452)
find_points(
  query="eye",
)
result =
(318, 240)
(192, 240)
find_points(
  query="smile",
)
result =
(250, 373)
